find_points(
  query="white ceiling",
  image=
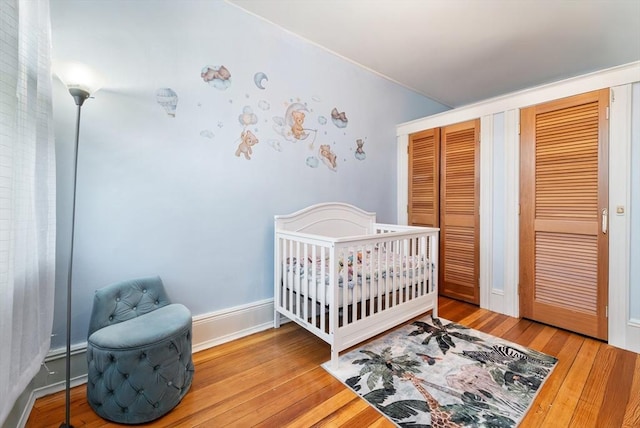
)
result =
(462, 51)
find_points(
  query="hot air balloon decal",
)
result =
(168, 99)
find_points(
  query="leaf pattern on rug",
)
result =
(484, 382)
(385, 366)
(442, 333)
(398, 409)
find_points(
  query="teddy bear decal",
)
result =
(292, 127)
(248, 140)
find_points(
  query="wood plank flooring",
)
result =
(274, 379)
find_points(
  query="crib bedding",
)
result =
(380, 264)
(362, 266)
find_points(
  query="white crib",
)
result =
(346, 278)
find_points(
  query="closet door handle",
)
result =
(605, 220)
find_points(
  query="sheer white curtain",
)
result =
(27, 195)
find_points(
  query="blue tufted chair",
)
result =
(138, 351)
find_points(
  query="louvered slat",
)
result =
(459, 212)
(459, 255)
(566, 271)
(566, 173)
(460, 172)
(423, 178)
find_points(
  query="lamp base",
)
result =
(64, 425)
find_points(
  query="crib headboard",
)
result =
(331, 219)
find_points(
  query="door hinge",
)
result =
(519, 209)
(607, 113)
(606, 311)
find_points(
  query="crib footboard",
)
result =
(348, 289)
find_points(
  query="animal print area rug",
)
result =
(436, 373)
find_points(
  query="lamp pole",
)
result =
(79, 96)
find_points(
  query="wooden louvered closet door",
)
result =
(424, 178)
(563, 197)
(459, 211)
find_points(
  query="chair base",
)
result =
(135, 374)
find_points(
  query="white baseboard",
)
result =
(633, 335)
(50, 379)
(224, 326)
(497, 301)
(209, 330)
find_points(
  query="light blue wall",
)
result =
(167, 195)
(634, 211)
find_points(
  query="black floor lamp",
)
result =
(81, 82)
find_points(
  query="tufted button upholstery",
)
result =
(140, 363)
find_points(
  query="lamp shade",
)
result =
(76, 75)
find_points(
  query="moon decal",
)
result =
(258, 78)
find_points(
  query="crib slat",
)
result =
(298, 284)
(346, 310)
(417, 279)
(305, 294)
(292, 289)
(394, 272)
(314, 284)
(323, 288)
(388, 280)
(403, 271)
(371, 280)
(380, 283)
(288, 284)
(425, 262)
(360, 283)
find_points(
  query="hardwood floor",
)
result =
(274, 379)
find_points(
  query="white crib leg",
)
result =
(334, 357)
(276, 319)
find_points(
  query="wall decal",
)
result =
(247, 141)
(360, 154)
(275, 145)
(205, 133)
(312, 162)
(294, 117)
(291, 126)
(258, 78)
(322, 120)
(339, 119)
(264, 105)
(296, 128)
(217, 76)
(247, 117)
(168, 99)
(328, 157)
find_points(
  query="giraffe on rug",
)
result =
(440, 418)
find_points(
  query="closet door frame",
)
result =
(624, 332)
